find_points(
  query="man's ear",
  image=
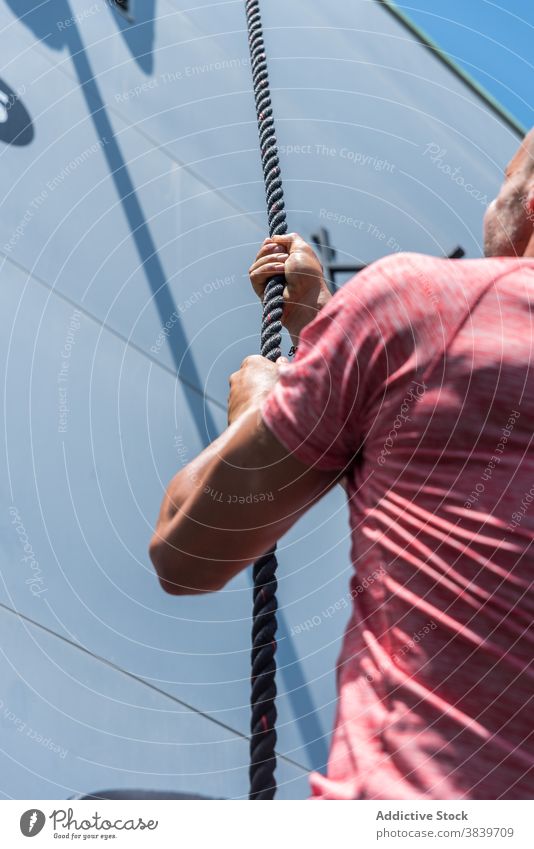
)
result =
(528, 203)
(528, 208)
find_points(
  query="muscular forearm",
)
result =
(229, 506)
(173, 541)
(212, 521)
(243, 491)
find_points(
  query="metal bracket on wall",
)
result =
(321, 240)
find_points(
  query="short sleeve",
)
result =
(318, 408)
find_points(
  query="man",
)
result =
(413, 385)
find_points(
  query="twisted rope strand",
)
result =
(263, 695)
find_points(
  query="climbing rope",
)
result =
(263, 707)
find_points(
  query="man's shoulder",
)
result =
(410, 273)
(397, 276)
(398, 270)
(403, 288)
(411, 266)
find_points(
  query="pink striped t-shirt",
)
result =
(416, 380)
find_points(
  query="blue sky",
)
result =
(493, 43)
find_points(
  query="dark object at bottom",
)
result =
(137, 794)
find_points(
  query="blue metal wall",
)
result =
(131, 209)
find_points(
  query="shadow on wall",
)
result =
(139, 33)
(43, 25)
(16, 126)
(51, 21)
(43, 22)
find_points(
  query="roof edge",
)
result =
(466, 78)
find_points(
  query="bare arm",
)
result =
(229, 505)
(244, 491)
